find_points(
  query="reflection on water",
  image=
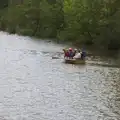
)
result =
(34, 86)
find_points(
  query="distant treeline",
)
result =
(89, 22)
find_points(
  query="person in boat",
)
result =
(78, 55)
(66, 54)
(83, 54)
(75, 51)
(71, 53)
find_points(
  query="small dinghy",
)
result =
(74, 61)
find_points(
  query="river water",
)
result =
(33, 86)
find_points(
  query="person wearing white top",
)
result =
(77, 56)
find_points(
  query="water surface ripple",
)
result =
(35, 87)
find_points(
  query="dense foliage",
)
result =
(91, 22)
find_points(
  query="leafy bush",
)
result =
(91, 22)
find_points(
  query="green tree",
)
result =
(91, 22)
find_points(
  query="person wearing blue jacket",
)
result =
(83, 54)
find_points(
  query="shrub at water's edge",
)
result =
(89, 22)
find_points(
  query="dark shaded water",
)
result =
(34, 86)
